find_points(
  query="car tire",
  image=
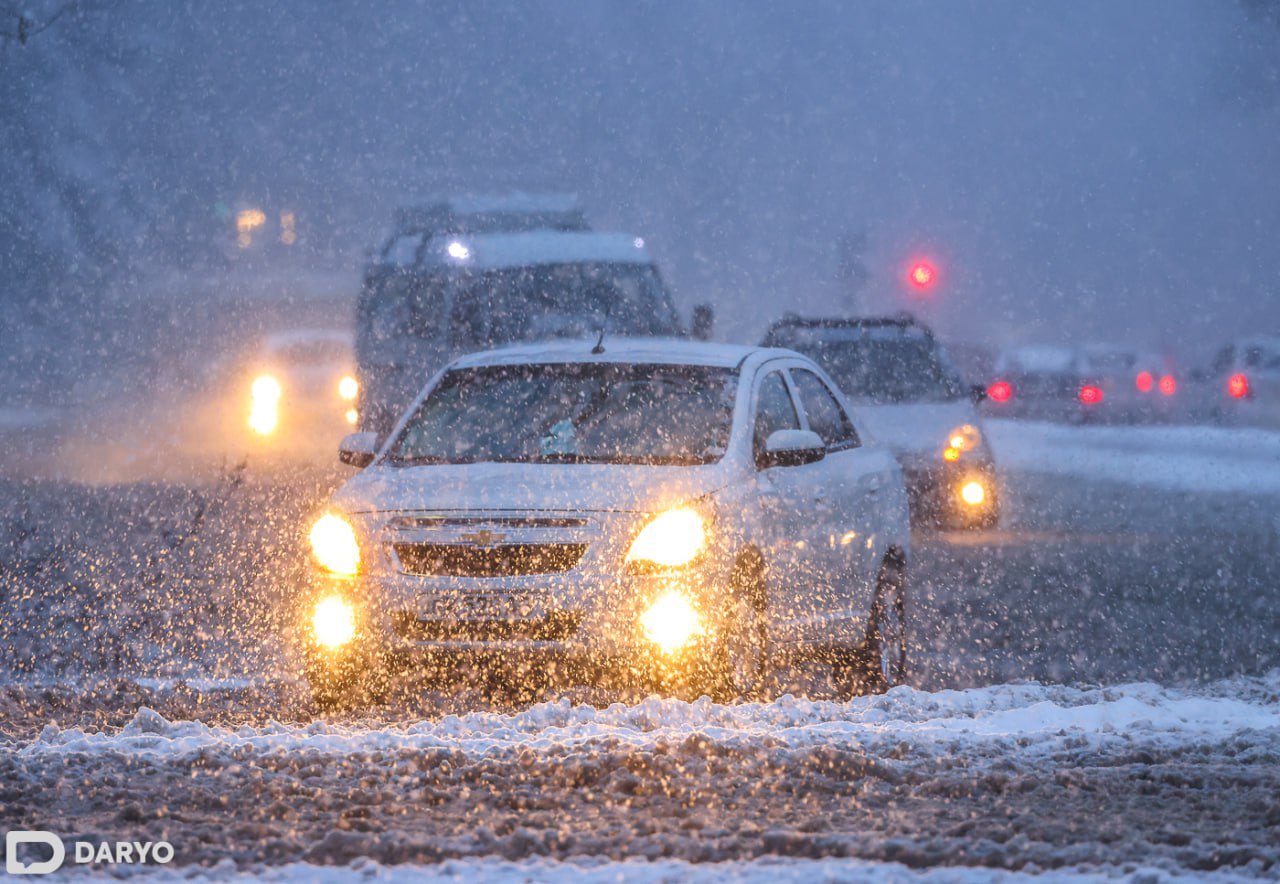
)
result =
(740, 664)
(880, 663)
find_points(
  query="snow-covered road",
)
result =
(150, 696)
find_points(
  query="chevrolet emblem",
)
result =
(485, 538)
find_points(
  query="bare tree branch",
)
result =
(26, 27)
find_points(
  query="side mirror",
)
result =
(358, 449)
(704, 320)
(792, 448)
(977, 393)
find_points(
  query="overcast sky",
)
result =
(1077, 170)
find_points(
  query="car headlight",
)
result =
(673, 539)
(333, 543)
(960, 440)
(264, 403)
(333, 622)
(348, 388)
(671, 622)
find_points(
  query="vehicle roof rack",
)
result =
(901, 319)
(491, 213)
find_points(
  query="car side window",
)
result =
(774, 410)
(826, 417)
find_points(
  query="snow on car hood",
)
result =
(522, 486)
(917, 428)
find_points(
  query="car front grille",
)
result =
(504, 560)
(556, 626)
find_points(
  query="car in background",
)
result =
(466, 274)
(1041, 382)
(1245, 375)
(299, 388)
(666, 513)
(1128, 386)
(903, 386)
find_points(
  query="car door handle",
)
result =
(873, 484)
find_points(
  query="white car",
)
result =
(1246, 375)
(903, 386)
(676, 514)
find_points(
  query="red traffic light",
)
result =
(922, 274)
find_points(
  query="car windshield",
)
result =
(561, 300)
(573, 413)
(882, 371)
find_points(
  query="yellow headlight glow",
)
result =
(671, 622)
(973, 493)
(673, 539)
(334, 622)
(964, 438)
(333, 542)
(348, 388)
(264, 405)
(352, 415)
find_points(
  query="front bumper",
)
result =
(578, 626)
(936, 493)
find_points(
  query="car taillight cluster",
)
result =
(1146, 382)
(1000, 391)
(1238, 386)
(1090, 394)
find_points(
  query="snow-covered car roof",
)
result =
(662, 351)
(283, 340)
(1040, 357)
(491, 251)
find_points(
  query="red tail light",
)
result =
(1144, 381)
(1090, 395)
(1000, 391)
(1238, 386)
(1168, 384)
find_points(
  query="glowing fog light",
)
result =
(671, 622)
(352, 415)
(672, 539)
(264, 405)
(973, 493)
(333, 542)
(348, 388)
(333, 622)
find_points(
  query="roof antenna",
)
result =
(599, 347)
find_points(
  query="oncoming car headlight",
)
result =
(671, 622)
(671, 540)
(960, 440)
(264, 404)
(333, 543)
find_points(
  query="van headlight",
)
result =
(333, 543)
(671, 540)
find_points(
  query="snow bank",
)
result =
(1023, 719)
(1182, 458)
(765, 870)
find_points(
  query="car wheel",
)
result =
(886, 643)
(741, 661)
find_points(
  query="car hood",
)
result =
(523, 487)
(917, 428)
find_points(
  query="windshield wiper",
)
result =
(418, 460)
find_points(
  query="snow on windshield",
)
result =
(573, 414)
